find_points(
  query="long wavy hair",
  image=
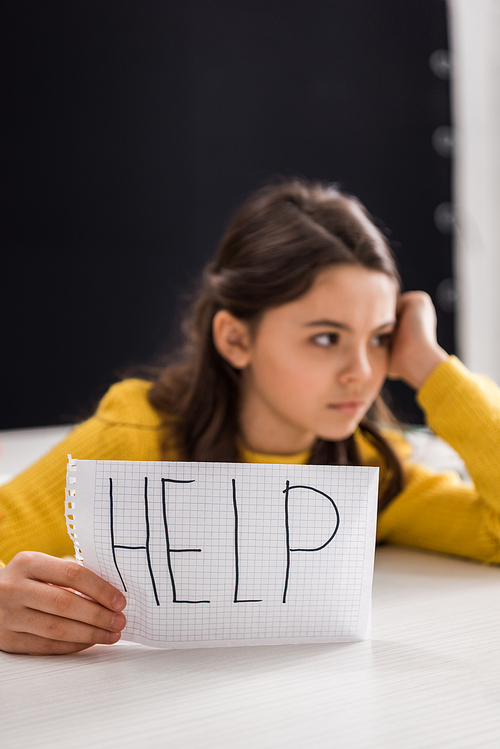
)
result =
(273, 249)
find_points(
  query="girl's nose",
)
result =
(357, 368)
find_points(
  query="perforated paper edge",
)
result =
(70, 506)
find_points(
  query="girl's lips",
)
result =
(346, 407)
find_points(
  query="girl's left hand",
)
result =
(415, 352)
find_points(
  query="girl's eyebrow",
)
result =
(327, 323)
(343, 326)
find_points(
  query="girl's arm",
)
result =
(440, 512)
(125, 427)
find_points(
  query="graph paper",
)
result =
(213, 554)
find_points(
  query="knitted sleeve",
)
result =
(125, 427)
(439, 512)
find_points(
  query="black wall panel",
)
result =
(132, 129)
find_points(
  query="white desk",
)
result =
(430, 677)
(19, 448)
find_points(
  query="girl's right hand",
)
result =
(39, 615)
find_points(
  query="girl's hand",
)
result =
(37, 614)
(415, 352)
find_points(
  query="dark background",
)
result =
(132, 129)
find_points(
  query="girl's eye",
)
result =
(326, 339)
(383, 341)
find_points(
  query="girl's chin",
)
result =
(341, 433)
(338, 436)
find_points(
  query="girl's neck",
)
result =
(265, 436)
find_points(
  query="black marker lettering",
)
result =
(113, 532)
(287, 529)
(167, 539)
(134, 548)
(236, 553)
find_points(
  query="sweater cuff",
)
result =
(448, 377)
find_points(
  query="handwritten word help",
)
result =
(145, 545)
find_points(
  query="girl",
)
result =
(298, 323)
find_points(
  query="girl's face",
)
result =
(315, 365)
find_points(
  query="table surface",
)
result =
(429, 677)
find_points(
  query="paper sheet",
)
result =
(212, 554)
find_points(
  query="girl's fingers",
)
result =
(65, 604)
(70, 575)
(60, 629)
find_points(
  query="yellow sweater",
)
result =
(434, 511)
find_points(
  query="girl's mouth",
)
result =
(346, 407)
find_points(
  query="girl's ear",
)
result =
(231, 338)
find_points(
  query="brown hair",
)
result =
(274, 247)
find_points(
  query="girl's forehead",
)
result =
(351, 286)
(351, 295)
